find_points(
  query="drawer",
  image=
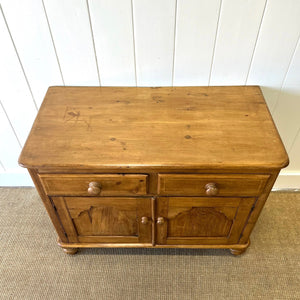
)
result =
(211, 184)
(94, 184)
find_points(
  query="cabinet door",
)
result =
(200, 220)
(105, 219)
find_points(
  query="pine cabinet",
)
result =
(154, 167)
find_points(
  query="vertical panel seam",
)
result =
(20, 144)
(1, 164)
(53, 44)
(93, 41)
(298, 131)
(215, 42)
(133, 40)
(255, 44)
(19, 59)
(294, 141)
(174, 45)
(286, 73)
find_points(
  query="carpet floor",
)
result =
(32, 266)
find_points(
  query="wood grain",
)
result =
(49, 206)
(212, 142)
(191, 220)
(110, 184)
(64, 216)
(256, 209)
(142, 245)
(199, 221)
(105, 219)
(227, 185)
(138, 127)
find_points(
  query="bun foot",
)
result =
(239, 251)
(70, 251)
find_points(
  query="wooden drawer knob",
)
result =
(94, 188)
(211, 189)
(160, 220)
(144, 220)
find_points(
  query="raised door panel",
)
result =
(195, 220)
(105, 220)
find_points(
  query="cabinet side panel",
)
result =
(65, 218)
(257, 209)
(49, 207)
(241, 218)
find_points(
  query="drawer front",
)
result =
(211, 184)
(94, 184)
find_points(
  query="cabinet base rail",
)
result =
(72, 248)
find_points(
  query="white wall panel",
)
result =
(30, 32)
(71, 30)
(287, 114)
(146, 43)
(113, 36)
(287, 110)
(20, 178)
(11, 174)
(196, 25)
(154, 25)
(9, 146)
(1, 167)
(14, 91)
(238, 29)
(294, 155)
(275, 46)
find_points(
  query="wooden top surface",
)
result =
(186, 127)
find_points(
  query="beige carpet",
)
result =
(32, 266)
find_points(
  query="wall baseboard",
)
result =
(288, 180)
(15, 179)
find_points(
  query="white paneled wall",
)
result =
(113, 36)
(196, 27)
(31, 36)
(238, 27)
(154, 32)
(15, 93)
(146, 43)
(69, 23)
(275, 46)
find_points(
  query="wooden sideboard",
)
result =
(185, 167)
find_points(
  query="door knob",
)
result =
(144, 220)
(160, 220)
(211, 189)
(94, 188)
